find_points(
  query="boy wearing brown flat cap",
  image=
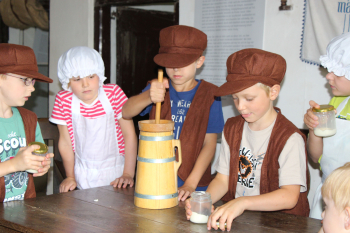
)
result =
(262, 162)
(19, 126)
(181, 53)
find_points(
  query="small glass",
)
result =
(201, 206)
(326, 120)
(42, 151)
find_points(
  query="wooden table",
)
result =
(107, 209)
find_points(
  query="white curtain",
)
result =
(323, 20)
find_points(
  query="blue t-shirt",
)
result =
(181, 102)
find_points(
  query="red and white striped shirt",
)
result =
(62, 111)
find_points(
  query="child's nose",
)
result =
(240, 105)
(85, 82)
(329, 76)
(322, 215)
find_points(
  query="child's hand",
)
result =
(226, 214)
(68, 184)
(45, 165)
(157, 90)
(310, 119)
(185, 191)
(124, 179)
(25, 160)
(188, 209)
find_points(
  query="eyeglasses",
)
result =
(26, 81)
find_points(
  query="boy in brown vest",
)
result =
(181, 53)
(19, 126)
(262, 162)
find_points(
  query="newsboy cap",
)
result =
(180, 46)
(247, 67)
(21, 60)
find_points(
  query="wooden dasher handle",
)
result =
(158, 105)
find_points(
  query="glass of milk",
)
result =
(200, 206)
(326, 120)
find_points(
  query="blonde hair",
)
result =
(265, 87)
(2, 76)
(337, 187)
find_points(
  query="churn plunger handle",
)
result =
(158, 105)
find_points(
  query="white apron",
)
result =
(336, 152)
(97, 158)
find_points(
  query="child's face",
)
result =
(339, 84)
(86, 89)
(183, 77)
(333, 219)
(14, 91)
(254, 104)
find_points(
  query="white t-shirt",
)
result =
(252, 151)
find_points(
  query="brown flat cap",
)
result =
(248, 67)
(180, 46)
(21, 60)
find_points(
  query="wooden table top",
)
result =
(108, 209)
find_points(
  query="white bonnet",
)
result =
(80, 61)
(337, 59)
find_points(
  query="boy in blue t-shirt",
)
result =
(18, 73)
(181, 49)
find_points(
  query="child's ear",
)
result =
(347, 218)
(274, 91)
(200, 62)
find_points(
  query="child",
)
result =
(19, 126)
(335, 150)
(181, 49)
(93, 133)
(262, 163)
(336, 195)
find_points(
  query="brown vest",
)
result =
(281, 132)
(194, 128)
(29, 121)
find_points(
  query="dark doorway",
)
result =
(137, 39)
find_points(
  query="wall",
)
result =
(71, 24)
(302, 82)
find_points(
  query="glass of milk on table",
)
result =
(326, 120)
(201, 206)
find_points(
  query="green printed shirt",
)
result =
(345, 113)
(12, 137)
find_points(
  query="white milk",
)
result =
(324, 132)
(199, 218)
(32, 171)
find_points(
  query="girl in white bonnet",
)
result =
(97, 145)
(332, 152)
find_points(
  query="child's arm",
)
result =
(285, 197)
(130, 139)
(314, 143)
(205, 157)
(66, 151)
(218, 187)
(137, 103)
(25, 160)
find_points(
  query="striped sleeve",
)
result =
(62, 112)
